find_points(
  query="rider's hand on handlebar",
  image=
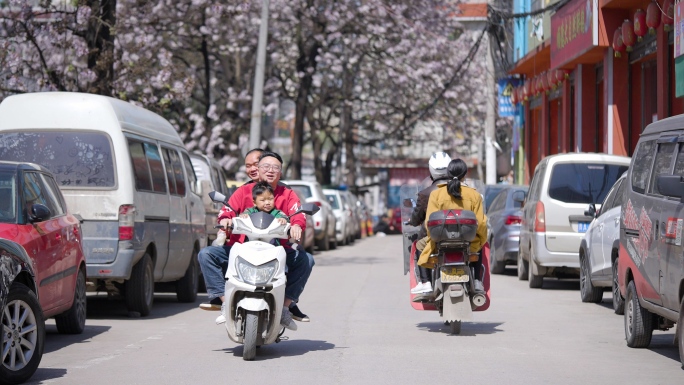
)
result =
(227, 224)
(296, 232)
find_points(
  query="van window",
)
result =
(192, 178)
(75, 158)
(141, 169)
(663, 161)
(679, 164)
(303, 189)
(177, 172)
(156, 168)
(642, 166)
(583, 182)
(170, 179)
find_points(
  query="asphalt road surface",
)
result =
(364, 331)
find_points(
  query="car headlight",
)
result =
(256, 275)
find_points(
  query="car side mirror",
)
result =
(671, 185)
(591, 211)
(38, 213)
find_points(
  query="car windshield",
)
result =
(75, 158)
(8, 198)
(334, 202)
(583, 182)
(303, 189)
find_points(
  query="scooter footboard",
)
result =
(413, 281)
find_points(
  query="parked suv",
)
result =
(324, 219)
(599, 249)
(650, 269)
(553, 214)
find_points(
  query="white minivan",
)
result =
(125, 173)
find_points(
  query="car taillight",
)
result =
(317, 203)
(540, 219)
(454, 257)
(126, 222)
(513, 220)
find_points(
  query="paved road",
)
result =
(365, 332)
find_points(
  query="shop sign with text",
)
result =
(574, 31)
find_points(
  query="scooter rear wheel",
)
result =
(455, 327)
(250, 339)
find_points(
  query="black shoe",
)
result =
(297, 314)
(213, 305)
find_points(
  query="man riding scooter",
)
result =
(438, 173)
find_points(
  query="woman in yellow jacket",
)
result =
(454, 195)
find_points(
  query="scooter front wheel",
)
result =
(250, 336)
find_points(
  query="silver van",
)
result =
(125, 173)
(553, 219)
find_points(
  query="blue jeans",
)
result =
(213, 261)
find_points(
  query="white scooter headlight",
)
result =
(256, 275)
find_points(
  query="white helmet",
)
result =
(439, 161)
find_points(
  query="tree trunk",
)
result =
(347, 125)
(100, 43)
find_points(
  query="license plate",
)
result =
(453, 274)
(582, 227)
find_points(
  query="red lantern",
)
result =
(652, 18)
(668, 19)
(527, 89)
(540, 85)
(551, 79)
(628, 36)
(561, 75)
(545, 85)
(640, 24)
(618, 44)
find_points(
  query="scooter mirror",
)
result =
(218, 197)
(308, 209)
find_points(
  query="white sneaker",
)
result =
(427, 287)
(286, 319)
(222, 318)
(419, 288)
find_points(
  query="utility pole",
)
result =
(490, 120)
(258, 96)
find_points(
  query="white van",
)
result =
(126, 173)
(211, 177)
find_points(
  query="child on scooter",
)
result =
(262, 195)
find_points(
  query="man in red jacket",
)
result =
(214, 259)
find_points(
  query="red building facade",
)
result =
(591, 100)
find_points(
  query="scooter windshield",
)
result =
(261, 220)
(409, 195)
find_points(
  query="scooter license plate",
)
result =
(453, 274)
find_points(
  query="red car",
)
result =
(34, 215)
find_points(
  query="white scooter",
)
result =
(255, 280)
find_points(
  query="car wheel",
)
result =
(638, 321)
(535, 281)
(324, 243)
(140, 287)
(333, 244)
(497, 267)
(588, 292)
(22, 319)
(618, 301)
(73, 320)
(522, 267)
(186, 287)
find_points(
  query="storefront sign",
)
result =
(574, 31)
(506, 87)
(679, 29)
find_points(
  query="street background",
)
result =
(364, 331)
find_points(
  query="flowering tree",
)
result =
(361, 73)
